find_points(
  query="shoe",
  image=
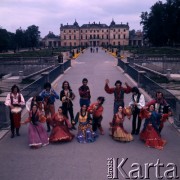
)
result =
(137, 132)
(48, 130)
(12, 135)
(17, 132)
(133, 132)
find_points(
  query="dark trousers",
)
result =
(70, 110)
(135, 115)
(84, 102)
(96, 123)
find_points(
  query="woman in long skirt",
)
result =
(37, 135)
(150, 133)
(61, 125)
(85, 132)
(117, 128)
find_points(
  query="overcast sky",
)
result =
(49, 14)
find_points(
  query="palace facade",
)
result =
(94, 34)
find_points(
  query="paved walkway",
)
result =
(72, 160)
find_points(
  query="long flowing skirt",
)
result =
(37, 135)
(60, 134)
(85, 134)
(152, 138)
(120, 134)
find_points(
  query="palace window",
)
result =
(119, 36)
(124, 36)
(107, 37)
(64, 37)
(102, 36)
(69, 37)
(74, 37)
(114, 36)
(69, 30)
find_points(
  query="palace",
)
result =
(94, 34)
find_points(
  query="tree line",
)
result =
(28, 38)
(161, 26)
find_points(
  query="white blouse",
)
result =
(15, 99)
(141, 102)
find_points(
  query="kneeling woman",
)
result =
(85, 133)
(117, 128)
(150, 133)
(37, 135)
(60, 131)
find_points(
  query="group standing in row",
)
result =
(42, 109)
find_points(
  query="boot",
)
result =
(17, 132)
(12, 135)
(101, 130)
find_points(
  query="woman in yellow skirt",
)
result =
(116, 126)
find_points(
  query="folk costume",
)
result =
(49, 100)
(85, 132)
(118, 95)
(15, 103)
(66, 96)
(117, 129)
(161, 107)
(38, 100)
(37, 135)
(85, 95)
(150, 133)
(60, 131)
(137, 103)
(96, 110)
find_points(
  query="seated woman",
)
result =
(150, 133)
(60, 131)
(85, 133)
(117, 129)
(37, 135)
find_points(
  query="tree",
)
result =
(161, 25)
(20, 38)
(4, 40)
(33, 35)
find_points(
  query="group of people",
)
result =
(89, 119)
